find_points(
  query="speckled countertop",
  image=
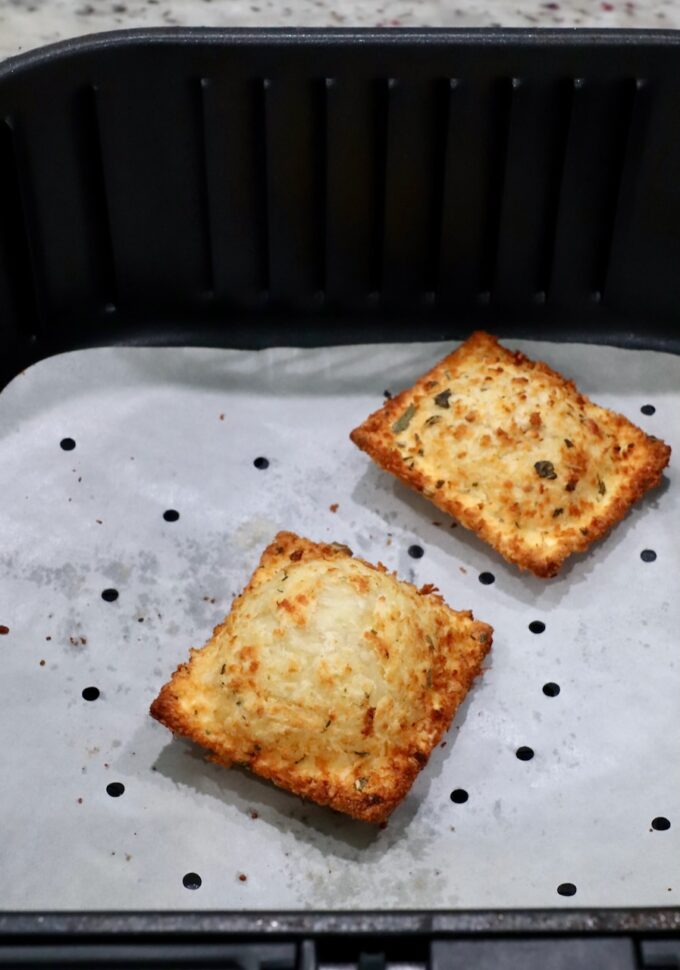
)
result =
(25, 24)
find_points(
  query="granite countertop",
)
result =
(25, 24)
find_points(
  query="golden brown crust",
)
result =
(514, 452)
(329, 677)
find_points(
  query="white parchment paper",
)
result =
(159, 429)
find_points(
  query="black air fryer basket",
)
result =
(250, 189)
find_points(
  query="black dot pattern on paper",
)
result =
(458, 796)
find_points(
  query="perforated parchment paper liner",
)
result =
(158, 430)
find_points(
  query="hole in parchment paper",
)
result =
(459, 796)
(648, 555)
(192, 880)
(115, 789)
(90, 693)
(537, 626)
(566, 889)
(551, 689)
(524, 753)
(171, 515)
(416, 552)
(486, 579)
(660, 823)
(110, 595)
(261, 463)
(648, 409)
(68, 444)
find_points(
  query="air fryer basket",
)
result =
(262, 189)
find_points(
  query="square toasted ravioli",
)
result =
(329, 677)
(514, 452)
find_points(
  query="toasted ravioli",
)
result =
(515, 452)
(329, 677)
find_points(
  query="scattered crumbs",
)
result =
(463, 570)
(42, 663)
(387, 394)
(454, 525)
(80, 801)
(208, 599)
(443, 744)
(80, 478)
(221, 417)
(436, 523)
(389, 542)
(127, 856)
(254, 814)
(140, 619)
(242, 877)
(77, 641)
(99, 521)
(48, 638)
(113, 853)
(4, 629)
(106, 764)
(334, 507)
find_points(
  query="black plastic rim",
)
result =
(286, 924)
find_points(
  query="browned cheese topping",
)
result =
(515, 452)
